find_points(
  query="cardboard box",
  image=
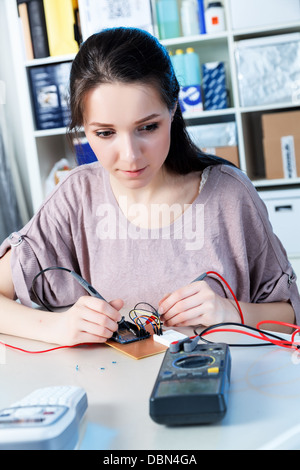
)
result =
(259, 13)
(230, 153)
(281, 144)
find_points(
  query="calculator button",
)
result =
(28, 411)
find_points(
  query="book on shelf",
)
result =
(25, 28)
(49, 27)
(61, 24)
(96, 15)
(49, 87)
(37, 25)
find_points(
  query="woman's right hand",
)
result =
(89, 320)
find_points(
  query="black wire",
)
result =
(43, 271)
(155, 312)
(149, 305)
(136, 319)
(212, 327)
(49, 307)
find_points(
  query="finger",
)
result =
(99, 330)
(104, 317)
(164, 298)
(193, 316)
(179, 296)
(101, 306)
(98, 319)
(183, 306)
(117, 304)
(85, 337)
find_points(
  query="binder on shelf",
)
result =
(38, 29)
(60, 24)
(49, 85)
(25, 27)
(214, 86)
(96, 15)
(83, 151)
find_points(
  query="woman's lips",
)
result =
(133, 173)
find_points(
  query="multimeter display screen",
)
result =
(183, 387)
(193, 362)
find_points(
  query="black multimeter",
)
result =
(192, 387)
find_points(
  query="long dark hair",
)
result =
(131, 55)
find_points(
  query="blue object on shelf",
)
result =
(168, 19)
(190, 100)
(84, 153)
(214, 86)
(178, 61)
(192, 67)
(49, 86)
(201, 15)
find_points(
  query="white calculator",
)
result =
(47, 419)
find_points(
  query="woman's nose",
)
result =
(129, 150)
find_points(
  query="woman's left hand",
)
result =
(197, 304)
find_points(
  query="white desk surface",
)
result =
(263, 409)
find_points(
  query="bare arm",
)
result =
(89, 320)
(275, 311)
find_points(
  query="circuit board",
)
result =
(127, 336)
(128, 332)
(139, 349)
(135, 338)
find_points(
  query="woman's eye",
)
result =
(149, 127)
(104, 134)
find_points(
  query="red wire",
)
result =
(287, 344)
(290, 343)
(282, 343)
(231, 291)
(230, 330)
(39, 352)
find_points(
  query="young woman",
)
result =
(146, 220)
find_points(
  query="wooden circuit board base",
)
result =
(139, 349)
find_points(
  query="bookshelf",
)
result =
(37, 150)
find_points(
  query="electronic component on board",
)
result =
(137, 329)
(128, 332)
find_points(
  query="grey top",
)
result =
(80, 226)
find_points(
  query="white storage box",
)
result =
(269, 70)
(284, 213)
(95, 15)
(214, 135)
(258, 13)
